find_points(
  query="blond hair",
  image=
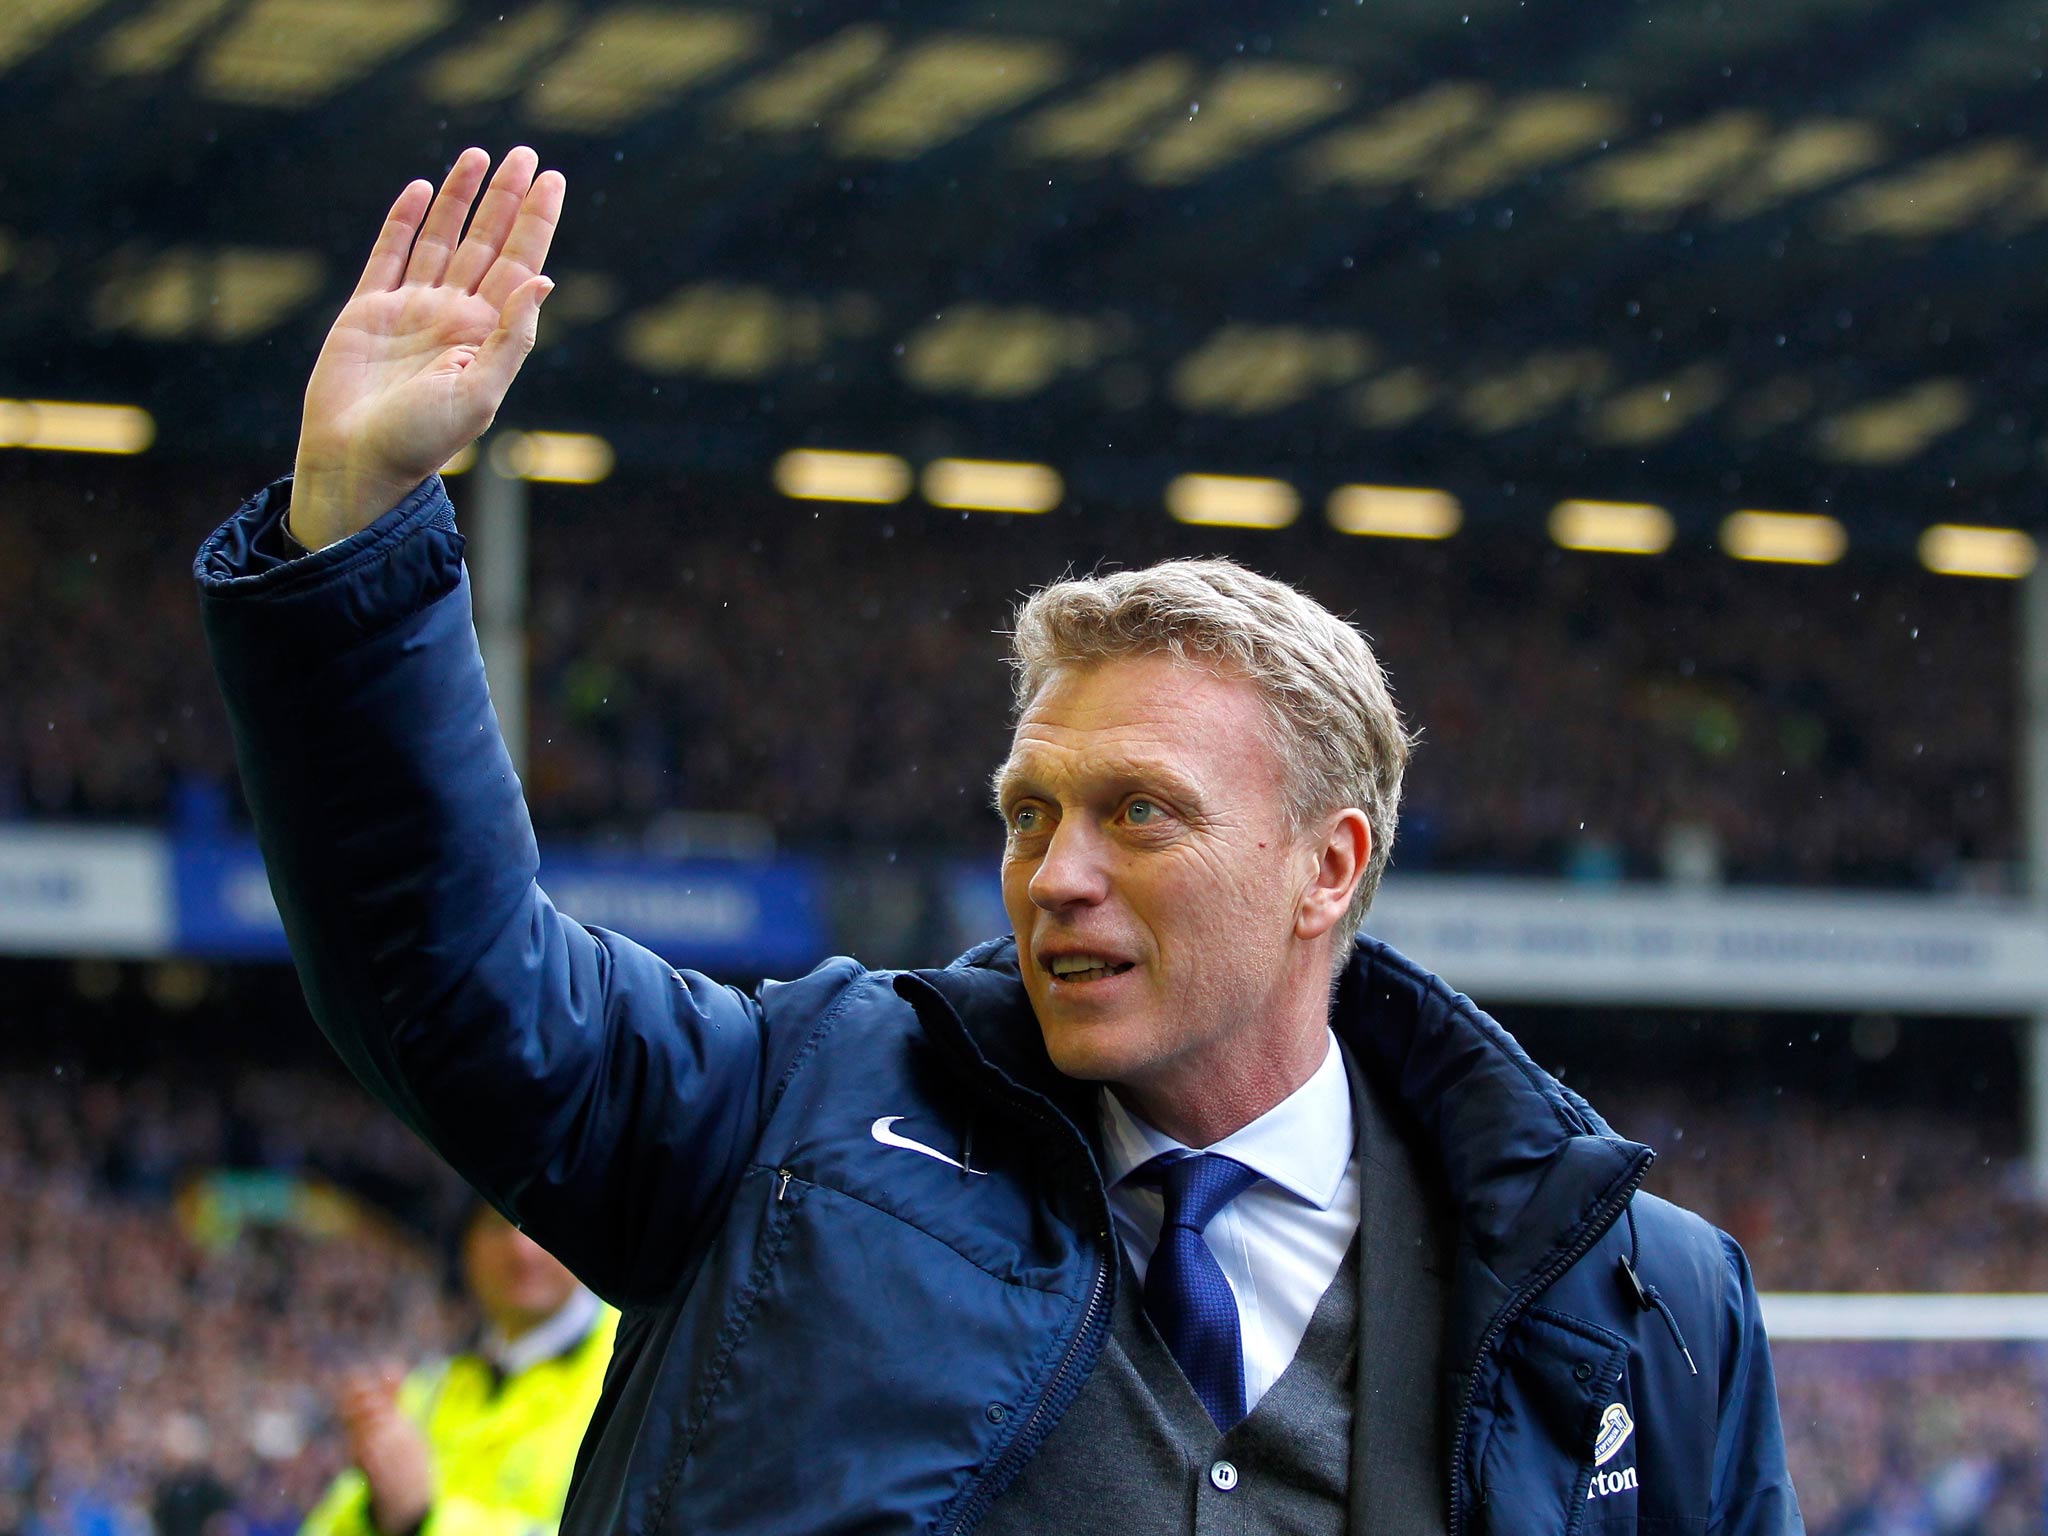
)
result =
(1331, 720)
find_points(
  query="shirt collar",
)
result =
(544, 1340)
(1303, 1143)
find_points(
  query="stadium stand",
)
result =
(181, 1289)
(1915, 1437)
(194, 1249)
(837, 673)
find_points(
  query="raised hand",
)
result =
(390, 1450)
(423, 353)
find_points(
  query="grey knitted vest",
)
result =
(1137, 1454)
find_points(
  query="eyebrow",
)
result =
(1001, 783)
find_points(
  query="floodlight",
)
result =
(1232, 501)
(820, 474)
(989, 485)
(1784, 538)
(1611, 527)
(1394, 512)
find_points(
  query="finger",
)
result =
(526, 248)
(386, 266)
(359, 1419)
(443, 228)
(497, 361)
(493, 221)
(367, 1390)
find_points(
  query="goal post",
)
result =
(1918, 1316)
(1924, 1413)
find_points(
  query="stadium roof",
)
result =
(1785, 254)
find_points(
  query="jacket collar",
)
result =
(978, 1007)
(1533, 1172)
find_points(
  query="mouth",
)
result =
(1081, 970)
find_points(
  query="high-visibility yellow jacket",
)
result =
(503, 1449)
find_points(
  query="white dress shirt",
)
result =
(1281, 1242)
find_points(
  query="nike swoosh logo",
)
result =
(888, 1138)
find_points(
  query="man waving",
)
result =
(1180, 1208)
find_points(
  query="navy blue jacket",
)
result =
(822, 1332)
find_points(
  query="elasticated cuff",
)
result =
(270, 608)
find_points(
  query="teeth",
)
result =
(1084, 967)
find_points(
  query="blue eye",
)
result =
(1142, 811)
(1024, 818)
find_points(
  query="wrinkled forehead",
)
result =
(1142, 659)
(1149, 721)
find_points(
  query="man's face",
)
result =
(516, 1282)
(1149, 875)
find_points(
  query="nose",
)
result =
(1072, 873)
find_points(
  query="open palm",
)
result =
(422, 355)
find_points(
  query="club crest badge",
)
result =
(1615, 1428)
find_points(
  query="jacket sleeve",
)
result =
(1752, 1487)
(602, 1099)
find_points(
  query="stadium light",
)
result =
(989, 485)
(463, 462)
(73, 426)
(1394, 512)
(563, 458)
(1611, 527)
(819, 474)
(1232, 501)
(1784, 538)
(1960, 549)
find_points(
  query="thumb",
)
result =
(504, 350)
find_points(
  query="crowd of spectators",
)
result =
(836, 671)
(185, 1275)
(105, 706)
(1892, 1438)
(187, 1264)
(1845, 1198)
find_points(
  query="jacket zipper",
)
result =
(969, 1514)
(1591, 1233)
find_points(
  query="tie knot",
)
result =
(1197, 1187)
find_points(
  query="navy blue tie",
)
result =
(1186, 1295)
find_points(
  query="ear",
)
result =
(1341, 858)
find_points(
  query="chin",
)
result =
(1095, 1052)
